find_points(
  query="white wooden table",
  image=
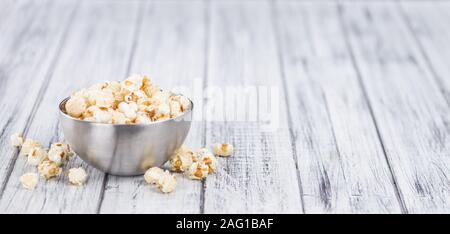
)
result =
(365, 94)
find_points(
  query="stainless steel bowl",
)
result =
(125, 150)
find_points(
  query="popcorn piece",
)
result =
(118, 118)
(198, 171)
(36, 155)
(142, 118)
(132, 83)
(175, 109)
(75, 106)
(29, 180)
(77, 176)
(152, 175)
(129, 110)
(224, 150)
(167, 182)
(101, 98)
(65, 146)
(58, 155)
(207, 158)
(134, 96)
(161, 96)
(182, 159)
(16, 140)
(28, 145)
(48, 169)
(102, 115)
(184, 102)
(151, 90)
(162, 112)
(114, 86)
(89, 113)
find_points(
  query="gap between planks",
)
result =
(42, 90)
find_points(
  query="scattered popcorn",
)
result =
(182, 159)
(152, 175)
(48, 169)
(29, 180)
(16, 140)
(64, 146)
(28, 145)
(207, 158)
(167, 182)
(58, 154)
(198, 171)
(224, 150)
(36, 155)
(77, 176)
(132, 101)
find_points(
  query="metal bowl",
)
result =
(125, 150)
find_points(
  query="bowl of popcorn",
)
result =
(125, 127)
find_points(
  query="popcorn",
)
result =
(58, 154)
(29, 180)
(48, 169)
(152, 175)
(16, 140)
(132, 101)
(198, 171)
(75, 106)
(167, 182)
(182, 159)
(132, 83)
(207, 158)
(142, 118)
(77, 176)
(128, 109)
(114, 86)
(183, 101)
(162, 112)
(175, 109)
(224, 150)
(101, 98)
(118, 118)
(36, 155)
(102, 115)
(64, 146)
(28, 145)
(161, 96)
(151, 90)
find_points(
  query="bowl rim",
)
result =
(62, 105)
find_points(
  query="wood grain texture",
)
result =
(363, 100)
(260, 177)
(97, 48)
(171, 49)
(409, 109)
(428, 23)
(340, 158)
(31, 34)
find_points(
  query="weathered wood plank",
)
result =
(97, 48)
(428, 23)
(341, 161)
(410, 111)
(260, 177)
(171, 49)
(31, 34)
